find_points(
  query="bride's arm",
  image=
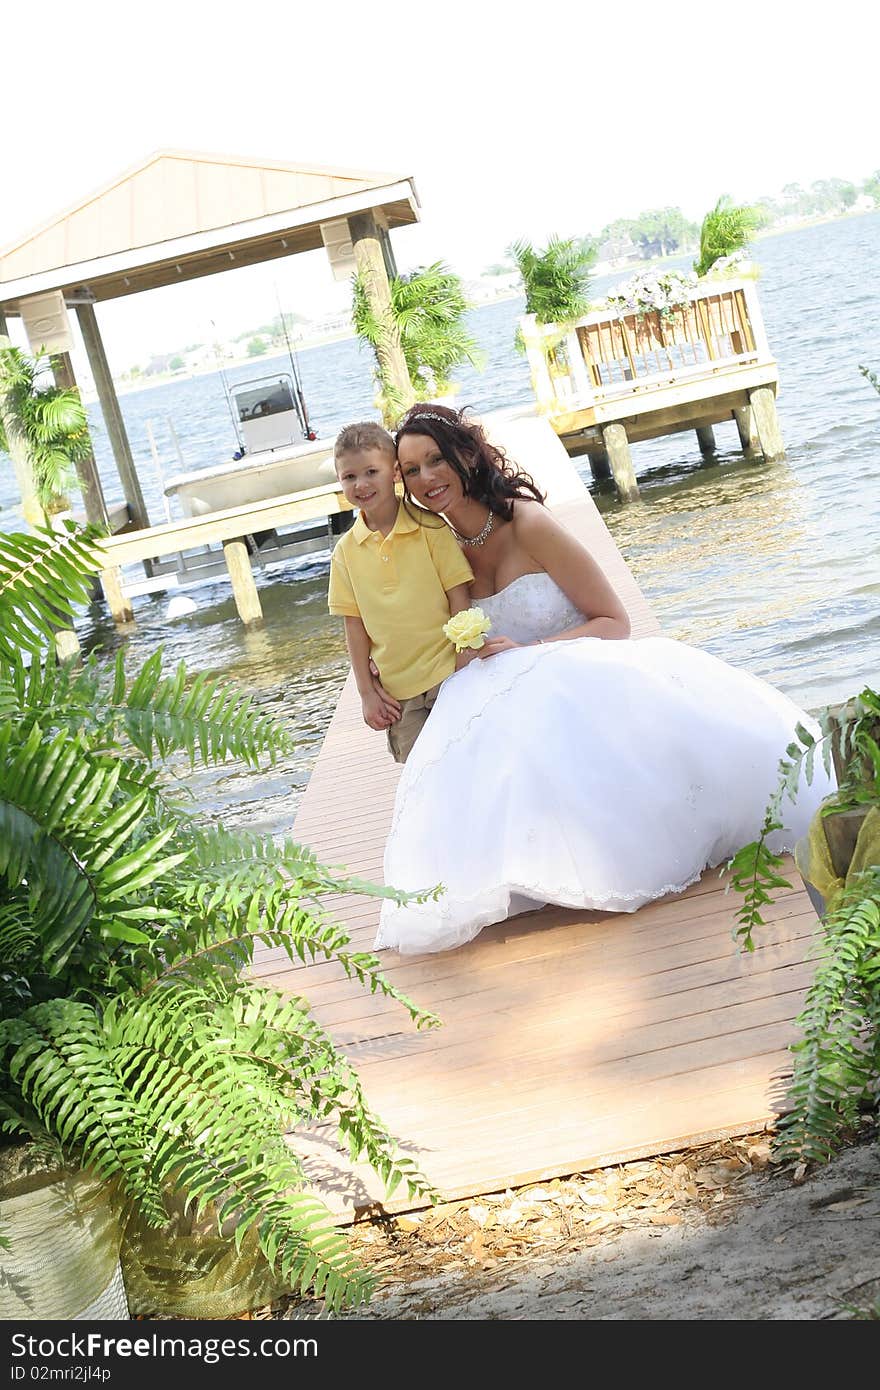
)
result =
(554, 549)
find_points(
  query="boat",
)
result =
(278, 452)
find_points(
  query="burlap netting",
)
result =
(63, 1257)
(813, 858)
(189, 1271)
(75, 1254)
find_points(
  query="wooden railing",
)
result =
(608, 353)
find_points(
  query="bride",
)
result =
(555, 767)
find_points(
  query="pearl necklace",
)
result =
(480, 538)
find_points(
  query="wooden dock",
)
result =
(570, 1040)
(613, 377)
(191, 541)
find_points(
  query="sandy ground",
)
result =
(716, 1233)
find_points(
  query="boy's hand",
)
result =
(379, 708)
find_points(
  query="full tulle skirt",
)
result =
(588, 774)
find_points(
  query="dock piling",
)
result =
(748, 435)
(244, 590)
(117, 601)
(763, 406)
(600, 466)
(67, 646)
(620, 459)
(706, 440)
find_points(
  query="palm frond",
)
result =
(556, 280)
(427, 309)
(48, 423)
(727, 228)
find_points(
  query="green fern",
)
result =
(134, 1035)
(837, 1058)
(42, 577)
(845, 737)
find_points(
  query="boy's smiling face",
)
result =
(367, 477)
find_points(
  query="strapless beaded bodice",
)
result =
(530, 607)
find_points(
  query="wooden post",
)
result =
(86, 469)
(706, 439)
(244, 590)
(755, 320)
(117, 602)
(582, 384)
(542, 382)
(67, 645)
(599, 466)
(745, 425)
(367, 247)
(387, 253)
(94, 346)
(617, 446)
(763, 403)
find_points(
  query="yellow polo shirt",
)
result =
(397, 585)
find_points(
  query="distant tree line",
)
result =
(824, 197)
(660, 232)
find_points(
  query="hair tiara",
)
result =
(426, 415)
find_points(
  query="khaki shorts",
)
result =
(413, 714)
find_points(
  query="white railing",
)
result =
(608, 354)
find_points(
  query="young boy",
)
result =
(395, 582)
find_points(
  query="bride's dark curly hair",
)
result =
(485, 471)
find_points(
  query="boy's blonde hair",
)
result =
(364, 434)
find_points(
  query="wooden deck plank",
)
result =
(570, 1039)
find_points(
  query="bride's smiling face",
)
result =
(433, 482)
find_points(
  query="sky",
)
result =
(515, 120)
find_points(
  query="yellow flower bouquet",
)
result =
(467, 629)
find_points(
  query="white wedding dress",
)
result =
(587, 773)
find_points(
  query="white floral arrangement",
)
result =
(738, 264)
(648, 292)
(467, 629)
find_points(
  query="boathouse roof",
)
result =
(178, 215)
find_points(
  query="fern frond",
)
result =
(42, 577)
(835, 1061)
(133, 1035)
(57, 1054)
(208, 717)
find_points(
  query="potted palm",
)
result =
(429, 307)
(556, 282)
(43, 428)
(138, 1058)
(725, 234)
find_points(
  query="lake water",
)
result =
(773, 567)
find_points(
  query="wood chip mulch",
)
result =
(543, 1220)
